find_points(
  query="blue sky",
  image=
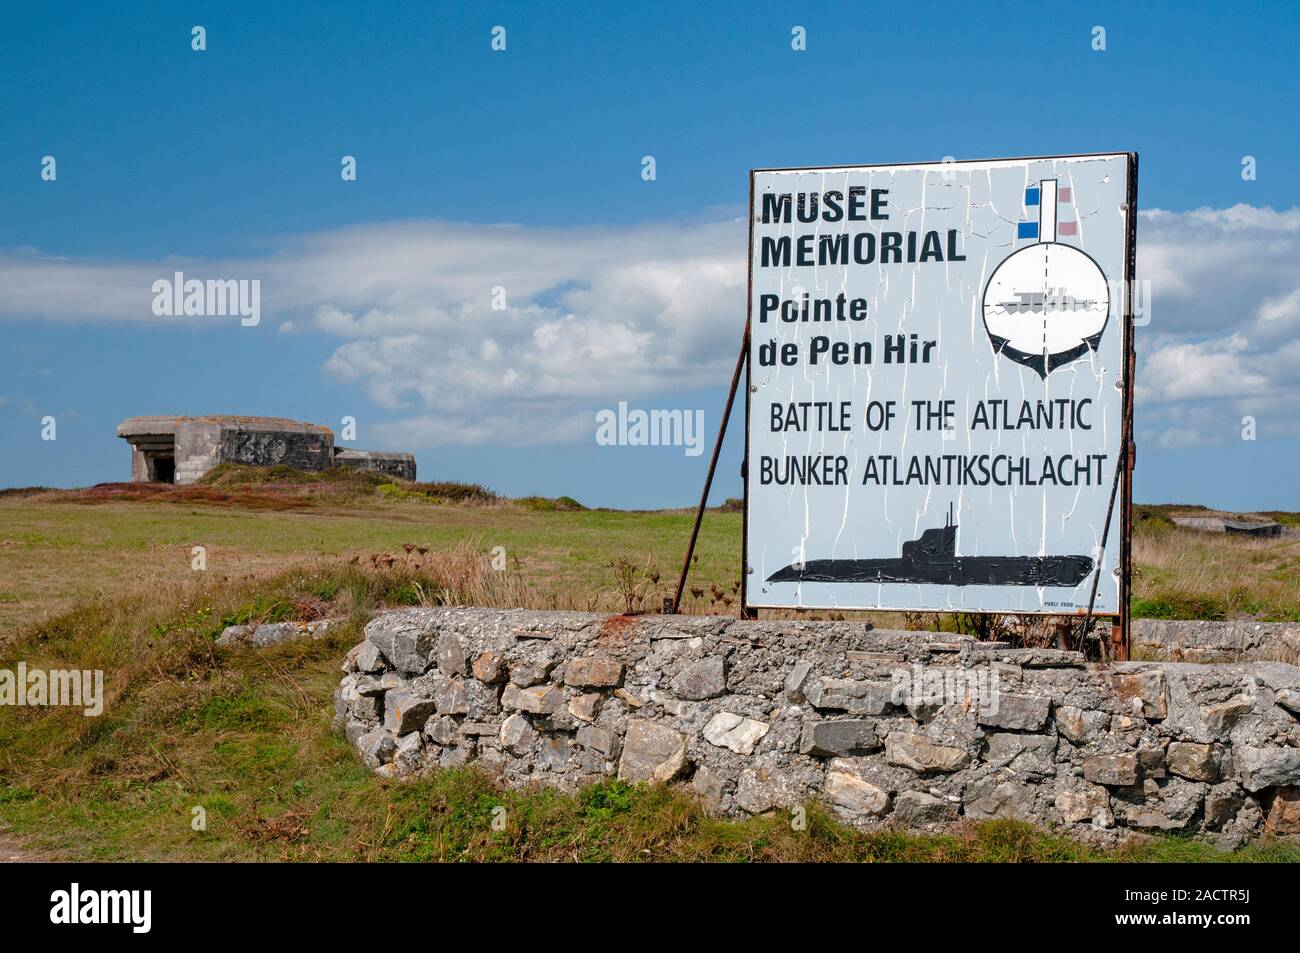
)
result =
(232, 155)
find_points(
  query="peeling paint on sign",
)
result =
(937, 385)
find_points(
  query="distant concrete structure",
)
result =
(181, 450)
(1219, 524)
(394, 464)
(1252, 529)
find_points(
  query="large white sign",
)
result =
(937, 385)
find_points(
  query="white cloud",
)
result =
(590, 316)
(596, 315)
(1219, 367)
(1222, 342)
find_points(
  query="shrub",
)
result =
(1180, 605)
(546, 503)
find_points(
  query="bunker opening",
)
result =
(154, 458)
(162, 468)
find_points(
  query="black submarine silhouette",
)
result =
(933, 560)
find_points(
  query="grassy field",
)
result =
(1188, 574)
(59, 548)
(241, 738)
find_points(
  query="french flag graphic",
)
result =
(1046, 196)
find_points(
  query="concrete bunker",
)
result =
(180, 450)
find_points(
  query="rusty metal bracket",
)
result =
(1119, 647)
(672, 605)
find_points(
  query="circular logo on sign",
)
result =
(1047, 304)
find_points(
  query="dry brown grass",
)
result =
(466, 574)
(246, 735)
(59, 549)
(54, 554)
(1186, 573)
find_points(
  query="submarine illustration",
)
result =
(932, 560)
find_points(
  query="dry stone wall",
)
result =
(1242, 640)
(909, 728)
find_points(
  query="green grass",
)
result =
(105, 582)
(54, 553)
(339, 482)
(565, 504)
(58, 548)
(237, 474)
(245, 736)
(1188, 574)
(1177, 605)
(438, 492)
